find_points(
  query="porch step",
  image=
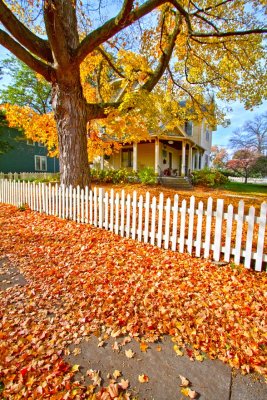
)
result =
(175, 183)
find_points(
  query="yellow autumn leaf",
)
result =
(143, 378)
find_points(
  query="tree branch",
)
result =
(20, 52)
(23, 35)
(233, 33)
(164, 59)
(113, 26)
(110, 62)
(98, 111)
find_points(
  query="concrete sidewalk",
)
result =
(211, 379)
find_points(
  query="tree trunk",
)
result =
(69, 107)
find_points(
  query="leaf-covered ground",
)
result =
(200, 193)
(83, 280)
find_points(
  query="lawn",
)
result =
(84, 281)
(244, 188)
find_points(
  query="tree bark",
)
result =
(69, 106)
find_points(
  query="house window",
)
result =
(206, 160)
(188, 127)
(40, 163)
(30, 142)
(127, 158)
(207, 134)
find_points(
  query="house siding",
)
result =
(21, 158)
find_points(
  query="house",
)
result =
(24, 155)
(174, 154)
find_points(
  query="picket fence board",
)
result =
(216, 234)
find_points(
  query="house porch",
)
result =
(170, 157)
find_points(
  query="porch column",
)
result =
(190, 158)
(102, 162)
(197, 160)
(135, 156)
(156, 155)
(183, 159)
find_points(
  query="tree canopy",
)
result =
(130, 64)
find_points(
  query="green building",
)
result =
(24, 155)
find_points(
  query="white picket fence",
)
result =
(209, 233)
(27, 175)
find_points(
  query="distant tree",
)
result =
(219, 156)
(260, 166)
(252, 135)
(27, 88)
(243, 163)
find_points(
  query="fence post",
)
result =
(182, 227)
(175, 221)
(128, 216)
(167, 224)
(106, 204)
(122, 229)
(208, 228)
(147, 209)
(261, 234)
(191, 224)
(153, 220)
(78, 203)
(71, 202)
(86, 204)
(218, 230)
(63, 199)
(67, 199)
(117, 212)
(250, 230)
(199, 229)
(100, 206)
(140, 218)
(91, 207)
(160, 219)
(239, 229)
(228, 233)
(95, 206)
(82, 205)
(134, 204)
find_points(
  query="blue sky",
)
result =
(237, 116)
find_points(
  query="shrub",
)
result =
(113, 176)
(209, 177)
(147, 176)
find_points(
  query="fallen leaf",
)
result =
(94, 375)
(116, 373)
(129, 353)
(113, 390)
(115, 347)
(76, 351)
(177, 350)
(143, 346)
(124, 384)
(75, 368)
(184, 381)
(143, 378)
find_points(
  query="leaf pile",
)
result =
(83, 280)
